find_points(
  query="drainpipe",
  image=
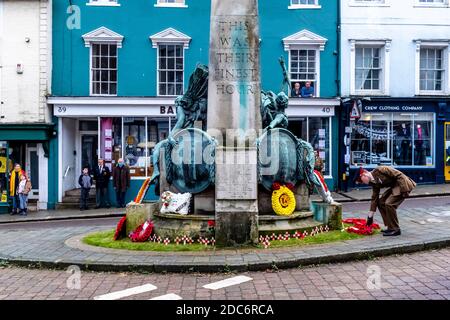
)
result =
(338, 50)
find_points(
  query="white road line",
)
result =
(227, 282)
(169, 296)
(126, 293)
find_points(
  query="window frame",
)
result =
(316, 82)
(370, 3)
(445, 47)
(174, 70)
(294, 6)
(103, 3)
(385, 48)
(160, 4)
(91, 71)
(421, 4)
(169, 36)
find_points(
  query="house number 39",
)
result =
(62, 109)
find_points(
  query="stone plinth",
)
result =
(137, 214)
(330, 214)
(204, 202)
(168, 225)
(236, 197)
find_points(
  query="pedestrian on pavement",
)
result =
(102, 174)
(86, 182)
(14, 181)
(399, 187)
(121, 180)
(23, 191)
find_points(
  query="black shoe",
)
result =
(392, 233)
(369, 221)
(81, 209)
(97, 207)
(13, 212)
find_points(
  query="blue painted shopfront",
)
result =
(136, 36)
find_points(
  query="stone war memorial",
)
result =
(230, 160)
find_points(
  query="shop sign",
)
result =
(398, 108)
(166, 110)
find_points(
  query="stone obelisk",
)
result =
(234, 117)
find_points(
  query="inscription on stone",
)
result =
(237, 182)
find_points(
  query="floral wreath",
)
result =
(283, 199)
(166, 198)
(120, 229)
(142, 232)
(360, 227)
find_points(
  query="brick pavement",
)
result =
(424, 275)
(60, 246)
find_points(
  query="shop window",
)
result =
(403, 139)
(117, 140)
(317, 132)
(393, 139)
(135, 137)
(319, 137)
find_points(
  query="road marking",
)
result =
(169, 296)
(126, 293)
(227, 282)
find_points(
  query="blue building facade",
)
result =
(118, 66)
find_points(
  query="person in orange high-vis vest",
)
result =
(14, 181)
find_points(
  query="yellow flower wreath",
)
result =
(283, 201)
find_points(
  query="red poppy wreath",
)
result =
(120, 229)
(360, 226)
(143, 232)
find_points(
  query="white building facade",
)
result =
(395, 84)
(26, 128)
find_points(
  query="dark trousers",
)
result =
(102, 197)
(388, 205)
(84, 198)
(120, 195)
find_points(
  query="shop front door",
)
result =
(32, 161)
(89, 150)
(447, 151)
